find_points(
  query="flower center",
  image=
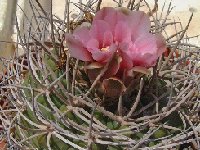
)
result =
(105, 49)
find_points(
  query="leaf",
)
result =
(151, 144)
(56, 100)
(42, 141)
(63, 108)
(57, 144)
(95, 147)
(140, 135)
(115, 124)
(113, 148)
(112, 124)
(30, 115)
(51, 64)
(41, 99)
(160, 133)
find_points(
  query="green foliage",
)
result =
(160, 133)
(112, 125)
(57, 144)
(114, 148)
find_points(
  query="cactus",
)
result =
(52, 103)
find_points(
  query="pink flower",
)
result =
(121, 32)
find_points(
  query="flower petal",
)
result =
(104, 56)
(139, 23)
(146, 44)
(107, 14)
(161, 44)
(92, 45)
(77, 50)
(101, 14)
(144, 51)
(122, 32)
(111, 16)
(82, 34)
(108, 39)
(98, 29)
(114, 18)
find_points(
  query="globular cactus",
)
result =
(55, 101)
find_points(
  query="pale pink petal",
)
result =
(146, 44)
(82, 34)
(144, 51)
(122, 32)
(107, 14)
(92, 45)
(77, 50)
(161, 44)
(100, 15)
(111, 16)
(146, 60)
(98, 29)
(104, 56)
(139, 23)
(124, 46)
(151, 60)
(108, 39)
(161, 47)
(114, 18)
(100, 56)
